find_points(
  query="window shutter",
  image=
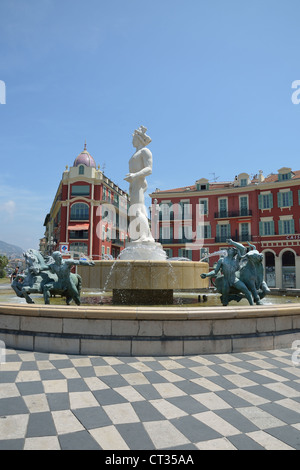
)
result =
(280, 228)
(261, 228)
(228, 231)
(279, 199)
(272, 227)
(292, 226)
(208, 231)
(291, 198)
(271, 201)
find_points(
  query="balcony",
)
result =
(240, 238)
(166, 217)
(175, 241)
(229, 214)
(78, 235)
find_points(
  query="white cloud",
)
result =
(22, 214)
(9, 208)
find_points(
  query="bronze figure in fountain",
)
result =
(49, 277)
(239, 275)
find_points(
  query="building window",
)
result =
(270, 269)
(285, 176)
(79, 211)
(203, 206)
(285, 199)
(288, 270)
(203, 231)
(185, 253)
(223, 207)
(243, 205)
(204, 254)
(223, 232)
(80, 190)
(265, 201)
(266, 228)
(81, 170)
(79, 234)
(169, 252)
(244, 232)
(244, 182)
(79, 248)
(166, 234)
(286, 227)
(165, 210)
(186, 209)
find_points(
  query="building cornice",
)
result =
(238, 189)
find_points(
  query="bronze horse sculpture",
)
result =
(48, 277)
(239, 275)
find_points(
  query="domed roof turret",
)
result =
(84, 158)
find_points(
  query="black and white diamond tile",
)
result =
(238, 401)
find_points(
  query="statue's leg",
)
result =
(46, 293)
(240, 286)
(252, 287)
(73, 293)
(224, 288)
(28, 299)
(17, 287)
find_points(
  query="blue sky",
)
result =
(210, 79)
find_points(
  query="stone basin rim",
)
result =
(151, 312)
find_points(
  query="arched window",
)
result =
(288, 270)
(79, 211)
(81, 170)
(270, 269)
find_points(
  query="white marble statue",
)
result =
(140, 166)
(142, 245)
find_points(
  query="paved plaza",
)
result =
(226, 401)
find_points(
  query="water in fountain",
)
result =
(215, 253)
(144, 251)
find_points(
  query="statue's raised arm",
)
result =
(240, 248)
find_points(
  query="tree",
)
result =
(3, 263)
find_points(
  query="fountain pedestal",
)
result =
(134, 281)
(142, 296)
(146, 250)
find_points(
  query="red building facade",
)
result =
(88, 217)
(196, 221)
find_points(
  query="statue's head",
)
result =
(255, 257)
(57, 256)
(141, 137)
(232, 251)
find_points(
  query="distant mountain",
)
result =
(11, 251)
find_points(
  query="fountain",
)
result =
(140, 277)
(142, 274)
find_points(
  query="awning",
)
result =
(79, 227)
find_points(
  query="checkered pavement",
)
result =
(226, 401)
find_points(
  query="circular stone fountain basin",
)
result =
(148, 331)
(143, 282)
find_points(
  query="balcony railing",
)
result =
(228, 214)
(240, 238)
